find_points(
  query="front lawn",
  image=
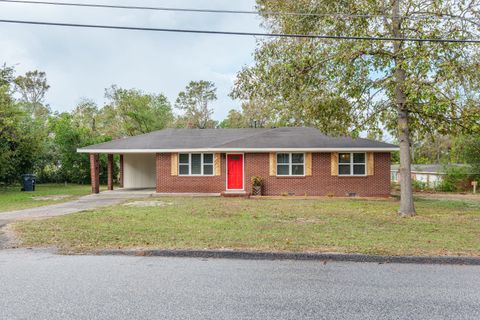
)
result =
(317, 225)
(11, 198)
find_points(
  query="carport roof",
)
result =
(247, 140)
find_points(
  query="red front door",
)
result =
(235, 171)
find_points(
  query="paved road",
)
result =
(39, 285)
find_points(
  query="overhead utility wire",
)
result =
(237, 33)
(267, 13)
(93, 5)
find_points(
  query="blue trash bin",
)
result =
(28, 182)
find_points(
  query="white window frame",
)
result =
(201, 165)
(290, 165)
(352, 164)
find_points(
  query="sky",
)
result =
(81, 63)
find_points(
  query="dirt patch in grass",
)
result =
(308, 221)
(7, 237)
(147, 204)
(52, 197)
(442, 227)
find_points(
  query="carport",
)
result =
(137, 171)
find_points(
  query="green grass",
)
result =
(314, 225)
(11, 198)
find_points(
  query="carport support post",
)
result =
(121, 171)
(95, 172)
(110, 172)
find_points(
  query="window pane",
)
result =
(359, 158)
(208, 169)
(183, 158)
(282, 170)
(297, 170)
(344, 157)
(183, 169)
(297, 157)
(283, 158)
(359, 169)
(208, 158)
(196, 163)
(344, 169)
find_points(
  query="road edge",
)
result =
(253, 255)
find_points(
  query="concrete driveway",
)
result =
(39, 285)
(92, 201)
(104, 199)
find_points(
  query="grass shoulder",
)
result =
(11, 198)
(442, 227)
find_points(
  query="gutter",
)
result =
(223, 150)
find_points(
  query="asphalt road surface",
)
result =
(40, 285)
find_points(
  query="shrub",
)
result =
(419, 185)
(395, 186)
(455, 179)
(257, 181)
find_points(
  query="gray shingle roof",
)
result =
(227, 139)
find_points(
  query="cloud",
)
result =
(83, 62)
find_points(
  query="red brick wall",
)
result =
(321, 183)
(204, 184)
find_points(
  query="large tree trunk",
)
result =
(407, 207)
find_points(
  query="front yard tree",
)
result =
(195, 103)
(406, 87)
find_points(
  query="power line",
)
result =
(267, 13)
(93, 5)
(237, 33)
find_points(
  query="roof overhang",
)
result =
(252, 150)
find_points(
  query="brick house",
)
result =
(294, 161)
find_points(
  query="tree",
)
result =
(258, 113)
(466, 149)
(7, 74)
(86, 114)
(32, 88)
(432, 148)
(136, 111)
(9, 118)
(235, 119)
(20, 145)
(68, 136)
(406, 87)
(195, 102)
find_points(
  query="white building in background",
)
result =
(431, 174)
